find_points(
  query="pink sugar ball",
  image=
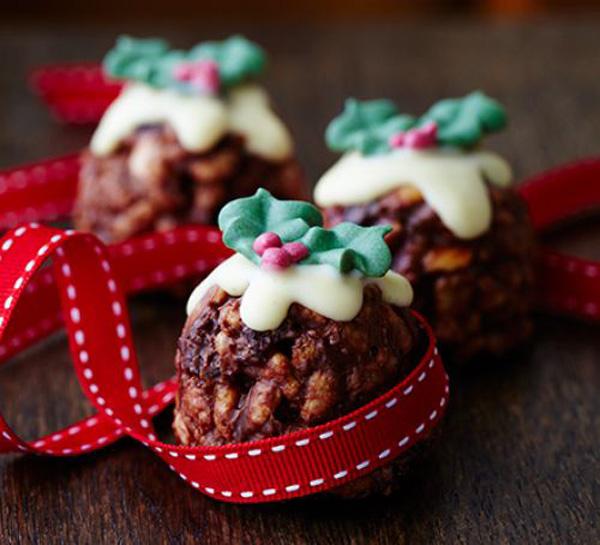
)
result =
(276, 259)
(296, 250)
(265, 241)
(424, 137)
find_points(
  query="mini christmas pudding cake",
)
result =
(190, 131)
(461, 235)
(300, 326)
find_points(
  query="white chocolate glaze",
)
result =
(251, 116)
(267, 295)
(199, 121)
(451, 181)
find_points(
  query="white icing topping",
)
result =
(452, 182)
(251, 116)
(199, 121)
(267, 295)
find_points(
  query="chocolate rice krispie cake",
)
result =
(299, 327)
(460, 234)
(190, 131)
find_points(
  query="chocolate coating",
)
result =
(237, 384)
(477, 294)
(152, 183)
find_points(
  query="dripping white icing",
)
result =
(251, 116)
(452, 183)
(199, 121)
(267, 295)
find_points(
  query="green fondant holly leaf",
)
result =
(243, 220)
(366, 126)
(151, 61)
(349, 247)
(237, 57)
(346, 247)
(463, 122)
(136, 59)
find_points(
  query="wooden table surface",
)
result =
(518, 460)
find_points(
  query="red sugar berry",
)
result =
(276, 259)
(419, 138)
(296, 250)
(202, 75)
(182, 72)
(397, 140)
(206, 77)
(265, 241)
(423, 137)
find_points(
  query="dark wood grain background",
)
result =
(518, 460)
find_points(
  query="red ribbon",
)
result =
(76, 93)
(43, 191)
(566, 284)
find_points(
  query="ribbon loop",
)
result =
(97, 324)
(80, 264)
(147, 262)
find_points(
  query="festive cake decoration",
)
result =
(154, 63)
(238, 59)
(202, 76)
(260, 225)
(366, 126)
(286, 256)
(434, 153)
(201, 94)
(417, 138)
(375, 127)
(463, 122)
